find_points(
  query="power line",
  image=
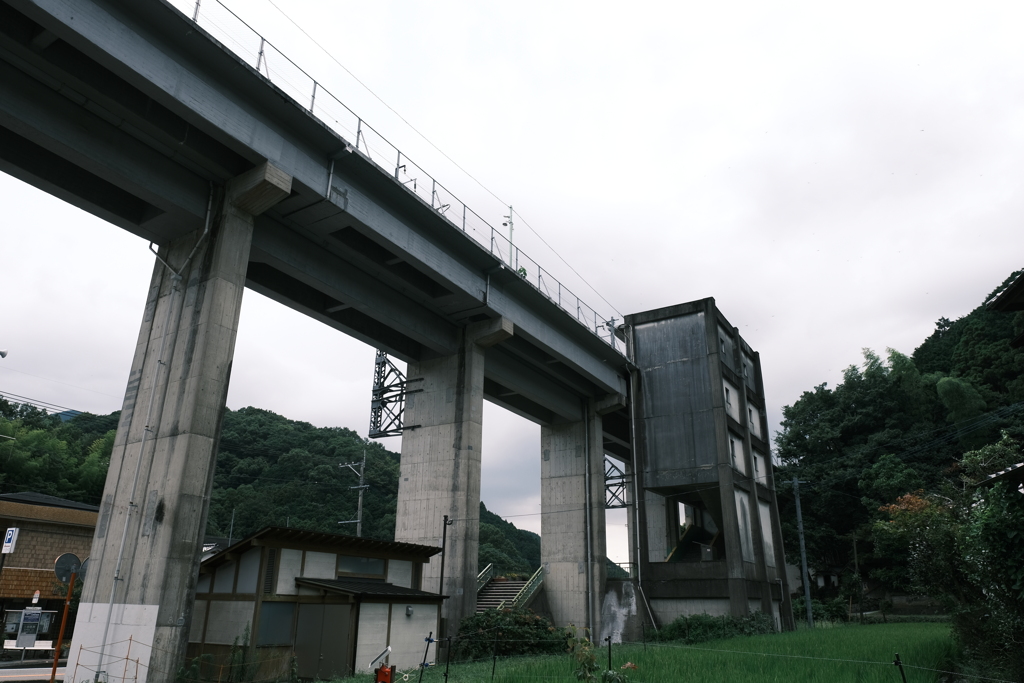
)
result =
(57, 381)
(436, 148)
(43, 405)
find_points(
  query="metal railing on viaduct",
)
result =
(227, 27)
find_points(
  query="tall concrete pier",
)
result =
(144, 558)
(572, 522)
(440, 474)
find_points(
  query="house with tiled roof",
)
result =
(332, 602)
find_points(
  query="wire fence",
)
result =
(227, 27)
(546, 658)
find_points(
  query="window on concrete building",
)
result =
(696, 537)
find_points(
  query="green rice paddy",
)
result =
(846, 653)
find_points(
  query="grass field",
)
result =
(850, 653)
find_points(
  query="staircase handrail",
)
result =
(531, 587)
(484, 577)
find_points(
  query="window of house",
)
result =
(276, 623)
(360, 566)
(728, 397)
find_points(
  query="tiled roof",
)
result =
(366, 588)
(33, 498)
(1010, 299)
(1013, 475)
(340, 543)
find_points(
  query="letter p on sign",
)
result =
(10, 538)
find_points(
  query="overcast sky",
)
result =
(836, 177)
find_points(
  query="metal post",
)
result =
(313, 100)
(195, 13)
(231, 529)
(463, 217)
(444, 542)
(803, 554)
(63, 623)
(398, 163)
(899, 663)
(448, 658)
(608, 639)
(259, 58)
(429, 639)
(359, 132)
(586, 517)
(510, 242)
(494, 662)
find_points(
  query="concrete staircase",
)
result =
(495, 592)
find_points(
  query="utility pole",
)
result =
(512, 262)
(803, 553)
(860, 583)
(359, 507)
(358, 521)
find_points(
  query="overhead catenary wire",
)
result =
(437, 149)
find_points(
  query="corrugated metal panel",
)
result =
(678, 421)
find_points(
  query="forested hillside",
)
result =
(895, 425)
(270, 471)
(895, 460)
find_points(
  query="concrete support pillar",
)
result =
(148, 539)
(574, 580)
(441, 465)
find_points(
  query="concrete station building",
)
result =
(709, 536)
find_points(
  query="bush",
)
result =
(517, 631)
(700, 628)
(829, 610)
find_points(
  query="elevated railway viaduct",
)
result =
(129, 110)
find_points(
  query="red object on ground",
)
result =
(384, 674)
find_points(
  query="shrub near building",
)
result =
(508, 632)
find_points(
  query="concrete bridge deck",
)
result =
(129, 111)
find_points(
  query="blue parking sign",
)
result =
(10, 538)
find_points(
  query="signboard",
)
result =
(10, 538)
(29, 627)
(43, 624)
